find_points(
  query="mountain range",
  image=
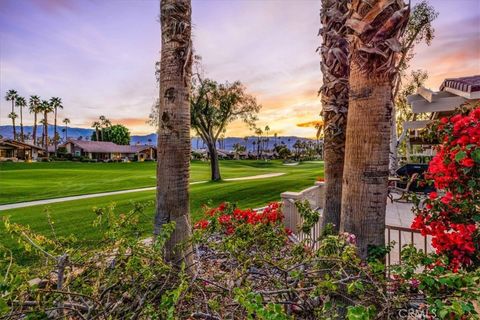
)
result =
(227, 143)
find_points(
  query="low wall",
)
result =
(315, 196)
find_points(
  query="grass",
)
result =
(44, 180)
(75, 217)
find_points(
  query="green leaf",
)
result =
(476, 155)
(460, 156)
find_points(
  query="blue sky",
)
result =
(99, 56)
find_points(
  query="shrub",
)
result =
(451, 215)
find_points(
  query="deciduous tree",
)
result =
(213, 107)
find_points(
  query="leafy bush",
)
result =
(451, 216)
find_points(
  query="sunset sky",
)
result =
(99, 56)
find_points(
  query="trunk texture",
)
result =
(34, 128)
(365, 177)
(14, 129)
(55, 132)
(45, 125)
(214, 164)
(335, 103)
(174, 127)
(378, 26)
(21, 125)
(393, 160)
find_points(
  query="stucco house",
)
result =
(104, 151)
(17, 150)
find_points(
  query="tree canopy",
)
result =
(213, 106)
(117, 133)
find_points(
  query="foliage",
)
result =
(403, 109)
(123, 277)
(273, 276)
(213, 106)
(451, 214)
(117, 133)
(440, 292)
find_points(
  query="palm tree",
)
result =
(105, 123)
(334, 92)
(46, 108)
(66, 121)
(12, 96)
(97, 126)
(267, 129)
(20, 102)
(377, 27)
(34, 108)
(13, 116)
(174, 127)
(56, 104)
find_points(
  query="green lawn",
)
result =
(35, 181)
(75, 217)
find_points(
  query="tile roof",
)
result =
(465, 84)
(107, 147)
(19, 143)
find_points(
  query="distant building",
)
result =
(16, 150)
(103, 151)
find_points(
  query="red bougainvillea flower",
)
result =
(452, 219)
(224, 219)
(288, 231)
(229, 217)
(202, 224)
(467, 162)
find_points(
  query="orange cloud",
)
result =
(311, 124)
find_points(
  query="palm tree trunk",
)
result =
(365, 176)
(214, 164)
(55, 132)
(66, 133)
(174, 146)
(14, 129)
(45, 124)
(21, 124)
(335, 104)
(34, 128)
(366, 160)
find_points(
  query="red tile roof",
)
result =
(107, 147)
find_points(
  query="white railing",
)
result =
(293, 221)
(316, 195)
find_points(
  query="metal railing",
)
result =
(400, 240)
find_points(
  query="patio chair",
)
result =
(404, 191)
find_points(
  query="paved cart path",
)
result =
(110, 193)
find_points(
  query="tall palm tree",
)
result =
(334, 93)
(174, 126)
(56, 104)
(12, 96)
(13, 116)
(45, 107)
(377, 26)
(34, 107)
(97, 125)
(20, 102)
(66, 121)
(105, 123)
(267, 129)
